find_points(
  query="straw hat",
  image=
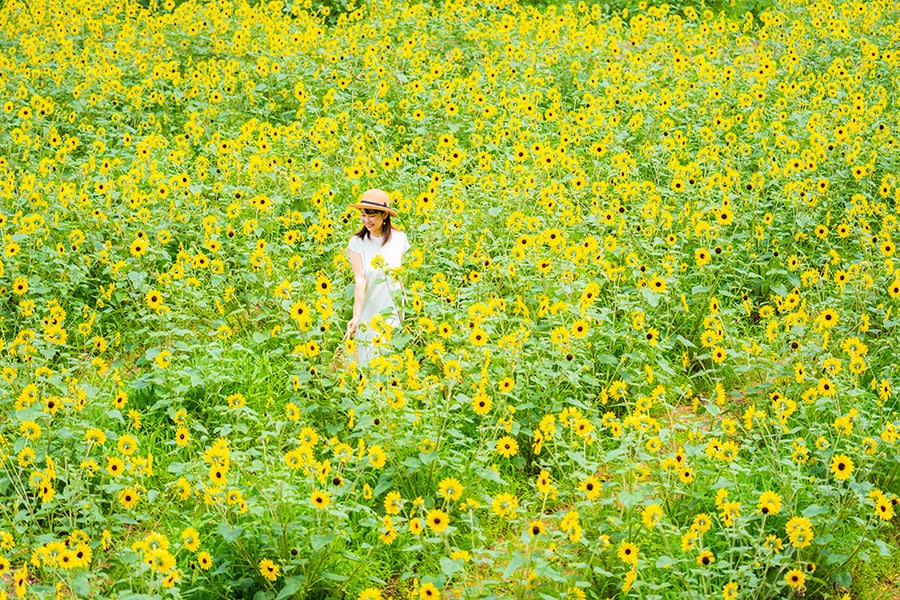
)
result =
(375, 200)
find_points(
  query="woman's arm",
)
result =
(359, 289)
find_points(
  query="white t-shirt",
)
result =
(379, 286)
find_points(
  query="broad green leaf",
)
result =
(814, 510)
(229, 533)
(843, 579)
(291, 586)
(514, 564)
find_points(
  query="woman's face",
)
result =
(372, 219)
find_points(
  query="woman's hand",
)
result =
(352, 324)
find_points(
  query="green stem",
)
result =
(437, 443)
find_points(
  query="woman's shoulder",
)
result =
(356, 244)
(398, 238)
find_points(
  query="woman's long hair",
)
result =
(385, 230)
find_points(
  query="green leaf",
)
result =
(722, 483)
(383, 485)
(139, 384)
(630, 499)
(491, 475)
(196, 376)
(665, 366)
(412, 462)
(814, 510)
(611, 456)
(401, 340)
(137, 277)
(883, 548)
(590, 380)
(664, 562)
(608, 359)
(291, 586)
(651, 297)
(229, 533)
(843, 579)
(450, 567)
(317, 542)
(514, 564)
(685, 342)
(80, 585)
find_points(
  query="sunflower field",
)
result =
(651, 309)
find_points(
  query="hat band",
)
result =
(385, 206)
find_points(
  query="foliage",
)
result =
(650, 335)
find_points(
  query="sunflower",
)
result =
(507, 446)
(377, 457)
(127, 444)
(725, 217)
(894, 288)
(536, 528)
(191, 539)
(393, 502)
(651, 515)
(138, 248)
(841, 467)
(415, 526)
(701, 523)
(545, 483)
(795, 578)
(268, 569)
(450, 489)
(505, 505)
(128, 497)
(428, 591)
(115, 466)
(20, 286)
(884, 508)
(182, 436)
(154, 299)
(730, 591)
(628, 553)
(30, 430)
(370, 594)
(799, 531)
(769, 503)
(719, 355)
(437, 520)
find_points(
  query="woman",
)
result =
(375, 251)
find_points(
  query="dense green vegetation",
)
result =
(650, 334)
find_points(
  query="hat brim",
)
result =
(373, 206)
